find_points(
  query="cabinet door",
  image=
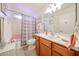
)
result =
(37, 47)
(62, 50)
(70, 53)
(77, 53)
(44, 50)
(37, 44)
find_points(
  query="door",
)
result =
(1, 31)
(44, 50)
(1, 28)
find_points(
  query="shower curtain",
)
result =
(27, 28)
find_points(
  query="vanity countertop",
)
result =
(62, 40)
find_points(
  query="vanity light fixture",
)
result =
(18, 16)
(53, 7)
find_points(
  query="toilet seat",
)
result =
(31, 41)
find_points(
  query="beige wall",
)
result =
(1, 29)
(78, 13)
(78, 18)
(16, 26)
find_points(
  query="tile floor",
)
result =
(25, 51)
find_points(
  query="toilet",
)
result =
(30, 44)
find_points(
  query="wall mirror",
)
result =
(62, 19)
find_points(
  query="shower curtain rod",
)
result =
(16, 12)
(2, 10)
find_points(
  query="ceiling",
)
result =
(32, 9)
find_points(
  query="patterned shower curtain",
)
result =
(27, 29)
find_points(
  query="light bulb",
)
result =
(48, 10)
(53, 8)
(59, 6)
(18, 16)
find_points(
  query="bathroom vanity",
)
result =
(49, 46)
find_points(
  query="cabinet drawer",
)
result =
(45, 42)
(55, 54)
(62, 50)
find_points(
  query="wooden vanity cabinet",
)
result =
(37, 44)
(45, 47)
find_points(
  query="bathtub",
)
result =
(11, 46)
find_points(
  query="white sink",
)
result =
(64, 40)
